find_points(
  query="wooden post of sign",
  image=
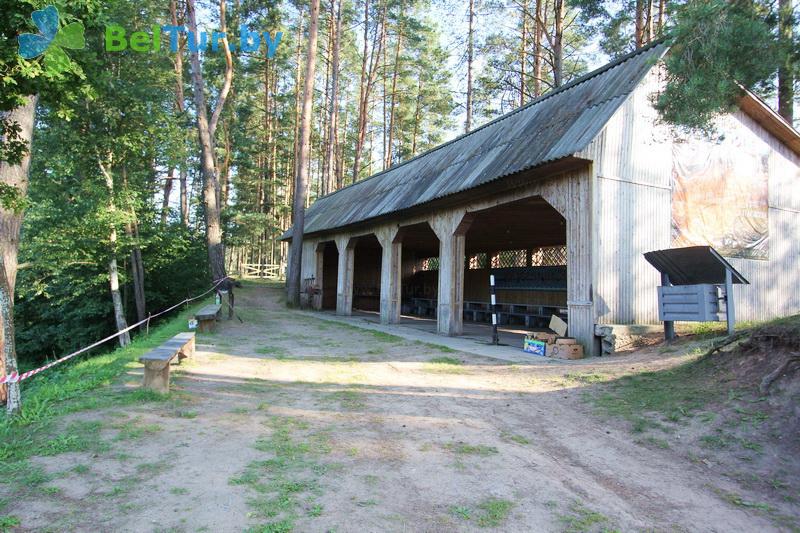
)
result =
(669, 325)
(730, 313)
(495, 336)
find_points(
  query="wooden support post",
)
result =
(344, 283)
(451, 229)
(730, 313)
(391, 273)
(669, 325)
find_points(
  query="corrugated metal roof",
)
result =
(693, 265)
(552, 127)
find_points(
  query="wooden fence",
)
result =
(261, 270)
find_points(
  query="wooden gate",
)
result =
(261, 270)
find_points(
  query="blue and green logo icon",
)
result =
(51, 39)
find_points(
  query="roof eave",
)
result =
(770, 120)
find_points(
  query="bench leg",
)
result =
(156, 376)
(205, 326)
(186, 351)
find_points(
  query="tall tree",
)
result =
(105, 163)
(786, 68)
(180, 107)
(18, 124)
(293, 285)
(470, 59)
(206, 129)
(333, 111)
(370, 61)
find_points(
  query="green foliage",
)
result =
(125, 115)
(718, 47)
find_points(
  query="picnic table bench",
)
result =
(207, 317)
(531, 315)
(156, 361)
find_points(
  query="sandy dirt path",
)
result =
(289, 422)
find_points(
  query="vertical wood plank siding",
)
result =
(632, 176)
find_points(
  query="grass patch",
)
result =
(276, 351)
(7, 523)
(493, 512)
(461, 511)
(581, 519)
(673, 395)
(135, 430)
(654, 441)
(444, 360)
(436, 366)
(81, 469)
(586, 378)
(349, 399)
(462, 448)
(287, 481)
(738, 501)
(511, 437)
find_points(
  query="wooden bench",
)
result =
(529, 315)
(207, 317)
(156, 361)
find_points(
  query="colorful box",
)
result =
(534, 346)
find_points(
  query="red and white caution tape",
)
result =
(15, 377)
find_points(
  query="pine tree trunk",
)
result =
(297, 80)
(558, 43)
(523, 44)
(417, 115)
(301, 187)
(393, 104)
(10, 223)
(333, 111)
(662, 7)
(639, 23)
(369, 72)
(537, 50)
(362, 98)
(470, 58)
(785, 75)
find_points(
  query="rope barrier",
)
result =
(16, 377)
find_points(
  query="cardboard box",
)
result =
(566, 340)
(549, 338)
(564, 351)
